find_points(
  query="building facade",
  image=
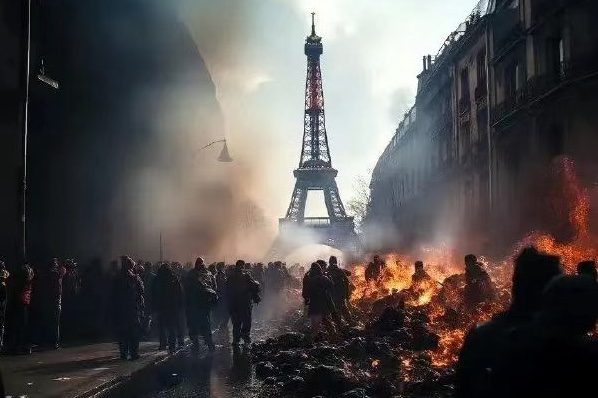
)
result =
(509, 91)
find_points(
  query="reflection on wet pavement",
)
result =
(226, 373)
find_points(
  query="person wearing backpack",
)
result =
(201, 297)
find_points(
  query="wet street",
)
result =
(226, 373)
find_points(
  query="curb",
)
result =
(110, 385)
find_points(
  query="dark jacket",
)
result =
(317, 293)
(167, 291)
(241, 290)
(129, 300)
(200, 289)
(341, 289)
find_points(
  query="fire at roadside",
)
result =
(409, 323)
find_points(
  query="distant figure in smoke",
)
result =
(588, 268)
(341, 289)
(49, 293)
(167, 297)
(71, 288)
(478, 285)
(242, 291)
(201, 297)
(484, 345)
(553, 356)
(374, 269)
(129, 309)
(221, 314)
(4, 274)
(317, 295)
(21, 289)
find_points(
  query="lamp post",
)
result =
(224, 156)
(25, 124)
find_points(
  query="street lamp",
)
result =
(224, 156)
(50, 82)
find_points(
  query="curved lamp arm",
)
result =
(211, 143)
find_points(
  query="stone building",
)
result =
(510, 90)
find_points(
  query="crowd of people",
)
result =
(44, 306)
(545, 334)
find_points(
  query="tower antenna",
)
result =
(313, 24)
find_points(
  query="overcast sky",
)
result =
(372, 54)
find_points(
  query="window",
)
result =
(481, 65)
(465, 84)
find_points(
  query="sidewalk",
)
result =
(80, 371)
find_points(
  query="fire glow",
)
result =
(442, 300)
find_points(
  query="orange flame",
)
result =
(441, 262)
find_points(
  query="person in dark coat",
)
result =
(4, 274)
(221, 314)
(242, 291)
(129, 309)
(341, 289)
(588, 268)
(71, 299)
(201, 297)
(553, 356)
(167, 299)
(20, 292)
(478, 285)
(49, 292)
(485, 344)
(317, 295)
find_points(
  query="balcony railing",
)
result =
(539, 86)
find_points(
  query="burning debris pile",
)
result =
(409, 323)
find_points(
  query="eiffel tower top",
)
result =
(313, 42)
(315, 153)
(314, 38)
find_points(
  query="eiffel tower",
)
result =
(315, 173)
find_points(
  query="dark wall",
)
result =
(115, 61)
(11, 22)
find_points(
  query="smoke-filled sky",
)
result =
(372, 54)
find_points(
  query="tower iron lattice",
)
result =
(315, 171)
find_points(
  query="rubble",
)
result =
(388, 356)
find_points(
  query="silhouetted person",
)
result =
(200, 297)
(20, 288)
(221, 314)
(242, 292)
(553, 356)
(129, 309)
(167, 297)
(588, 268)
(317, 295)
(71, 288)
(4, 274)
(49, 292)
(374, 269)
(341, 289)
(484, 345)
(478, 285)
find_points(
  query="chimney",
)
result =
(429, 62)
(425, 65)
